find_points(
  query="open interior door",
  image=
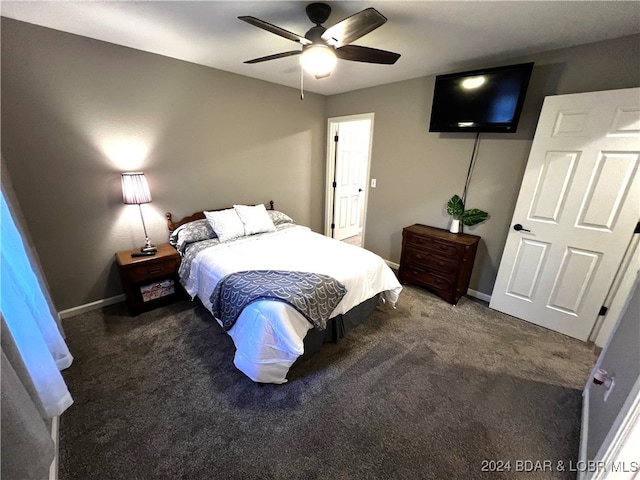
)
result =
(351, 163)
(578, 206)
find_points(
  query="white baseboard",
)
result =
(479, 295)
(393, 265)
(55, 436)
(88, 307)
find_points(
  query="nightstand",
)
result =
(150, 282)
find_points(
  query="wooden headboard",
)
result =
(171, 225)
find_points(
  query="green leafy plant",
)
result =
(473, 216)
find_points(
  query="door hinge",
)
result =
(335, 139)
(603, 311)
(333, 225)
(637, 230)
(335, 184)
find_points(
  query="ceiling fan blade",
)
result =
(356, 53)
(256, 22)
(352, 28)
(274, 56)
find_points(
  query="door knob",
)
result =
(519, 228)
(359, 190)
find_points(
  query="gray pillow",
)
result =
(191, 232)
(278, 218)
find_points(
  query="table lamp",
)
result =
(135, 191)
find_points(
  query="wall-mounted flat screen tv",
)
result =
(487, 100)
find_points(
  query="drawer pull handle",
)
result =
(154, 270)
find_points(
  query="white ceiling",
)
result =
(432, 36)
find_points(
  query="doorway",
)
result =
(349, 141)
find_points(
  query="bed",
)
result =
(270, 333)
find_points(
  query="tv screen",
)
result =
(488, 100)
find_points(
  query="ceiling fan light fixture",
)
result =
(318, 60)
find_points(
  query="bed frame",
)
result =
(171, 225)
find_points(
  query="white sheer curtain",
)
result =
(32, 326)
(33, 353)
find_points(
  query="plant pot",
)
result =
(455, 226)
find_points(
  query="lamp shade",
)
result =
(135, 189)
(319, 60)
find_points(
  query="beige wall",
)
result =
(76, 112)
(417, 171)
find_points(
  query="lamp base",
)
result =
(148, 248)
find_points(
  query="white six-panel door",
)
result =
(351, 170)
(578, 205)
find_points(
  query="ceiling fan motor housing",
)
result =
(315, 34)
(318, 13)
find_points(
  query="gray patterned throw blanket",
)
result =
(313, 295)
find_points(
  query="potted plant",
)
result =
(473, 216)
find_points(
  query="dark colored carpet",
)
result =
(428, 391)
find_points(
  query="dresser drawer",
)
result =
(411, 274)
(443, 248)
(150, 270)
(426, 259)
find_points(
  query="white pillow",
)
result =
(226, 224)
(255, 219)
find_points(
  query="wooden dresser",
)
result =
(437, 259)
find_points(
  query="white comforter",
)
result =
(269, 335)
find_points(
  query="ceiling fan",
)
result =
(321, 46)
